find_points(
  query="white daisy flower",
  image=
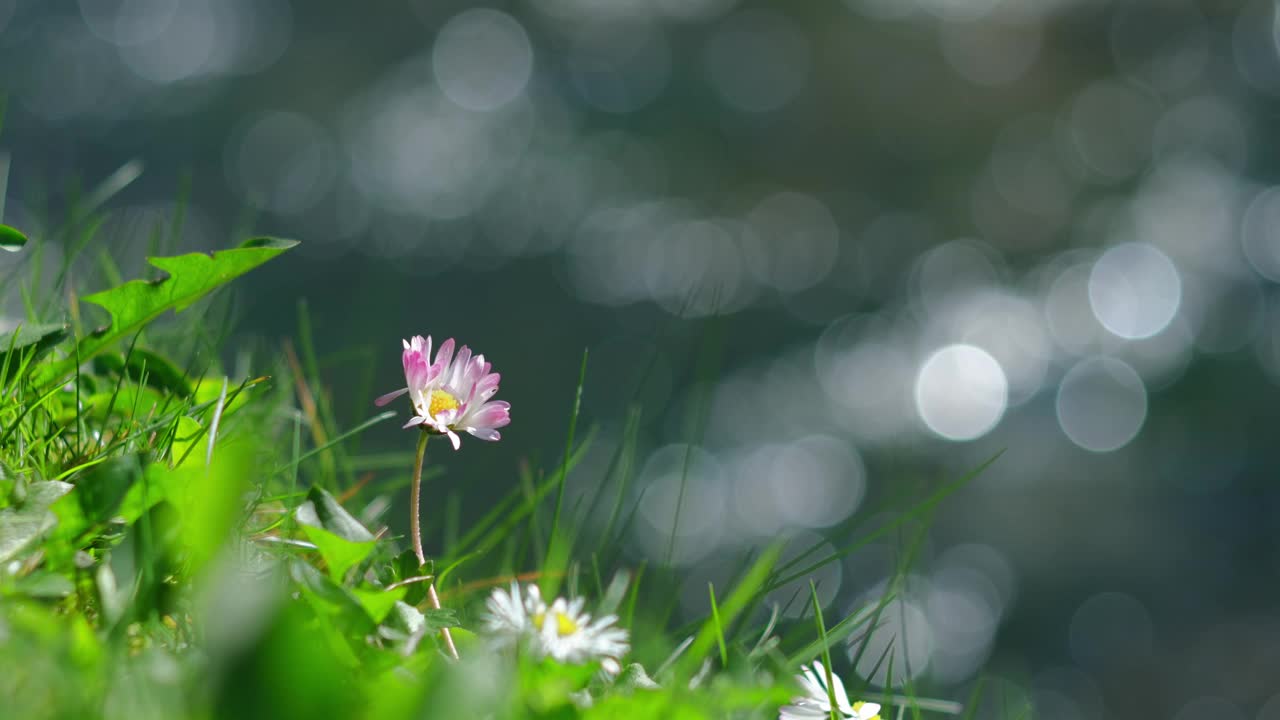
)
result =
(567, 634)
(511, 612)
(561, 630)
(816, 702)
(451, 394)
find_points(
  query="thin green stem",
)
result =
(415, 497)
(415, 530)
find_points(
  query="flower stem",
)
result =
(415, 530)
(415, 498)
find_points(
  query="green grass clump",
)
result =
(179, 542)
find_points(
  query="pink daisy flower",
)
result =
(452, 393)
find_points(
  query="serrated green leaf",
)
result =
(11, 239)
(339, 553)
(138, 302)
(22, 527)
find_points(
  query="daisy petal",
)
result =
(802, 712)
(384, 399)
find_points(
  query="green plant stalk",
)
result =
(833, 707)
(415, 530)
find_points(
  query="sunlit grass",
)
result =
(177, 542)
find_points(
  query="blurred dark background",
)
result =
(873, 242)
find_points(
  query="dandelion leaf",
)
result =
(138, 302)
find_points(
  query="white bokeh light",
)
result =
(867, 378)
(951, 269)
(402, 134)
(620, 67)
(1111, 627)
(1070, 320)
(792, 241)
(1260, 233)
(814, 482)
(904, 630)
(1204, 125)
(127, 22)
(964, 608)
(1101, 404)
(1189, 206)
(693, 268)
(757, 61)
(961, 392)
(990, 53)
(482, 59)
(682, 511)
(1005, 325)
(1134, 290)
(1110, 128)
(181, 50)
(693, 10)
(283, 162)
(793, 599)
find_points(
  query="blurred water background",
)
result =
(842, 249)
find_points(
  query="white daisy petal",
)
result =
(816, 701)
(444, 391)
(842, 698)
(865, 711)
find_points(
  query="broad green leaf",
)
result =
(405, 619)
(160, 485)
(439, 619)
(406, 566)
(102, 488)
(330, 600)
(378, 603)
(100, 493)
(208, 501)
(34, 339)
(21, 527)
(549, 687)
(11, 239)
(339, 553)
(634, 678)
(188, 434)
(160, 373)
(294, 667)
(44, 584)
(138, 302)
(96, 404)
(213, 499)
(322, 510)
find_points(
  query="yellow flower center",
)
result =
(438, 401)
(565, 626)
